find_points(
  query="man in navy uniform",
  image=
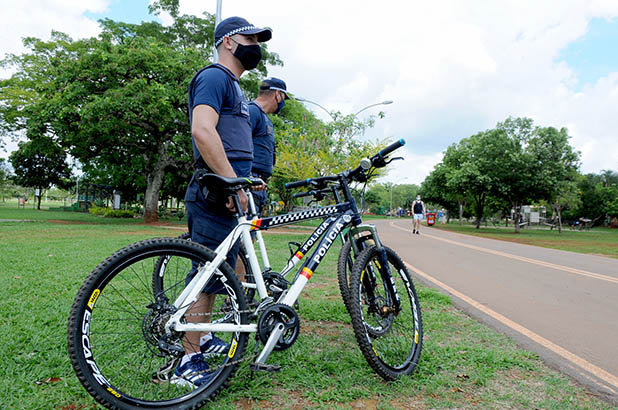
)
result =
(271, 100)
(222, 144)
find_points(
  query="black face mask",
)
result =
(249, 56)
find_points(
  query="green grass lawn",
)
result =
(598, 241)
(464, 364)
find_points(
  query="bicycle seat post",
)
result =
(239, 211)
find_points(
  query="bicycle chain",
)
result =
(234, 362)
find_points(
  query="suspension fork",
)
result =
(387, 277)
(369, 278)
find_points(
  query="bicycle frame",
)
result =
(339, 216)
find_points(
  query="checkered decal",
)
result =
(298, 216)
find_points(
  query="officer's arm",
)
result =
(208, 141)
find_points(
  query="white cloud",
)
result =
(452, 68)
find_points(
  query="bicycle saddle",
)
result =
(215, 182)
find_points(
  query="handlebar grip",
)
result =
(296, 184)
(392, 147)
(302, 194)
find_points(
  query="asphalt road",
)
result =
(562, 305)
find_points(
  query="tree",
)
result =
(117, 102)
(556, 164)
(40, 163)
(435, 189)
(5, 178)
(306, 147)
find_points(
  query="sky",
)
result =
(451, 68)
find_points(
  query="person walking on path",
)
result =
(418, 213)
(222, 144)
(271, 100)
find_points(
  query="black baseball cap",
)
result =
(238, 25)
(273, 83)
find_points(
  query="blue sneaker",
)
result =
(193, 373)
(214, 346)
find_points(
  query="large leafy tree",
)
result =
(40, 163)
(117, 102)
(435, 189)
(555, 164)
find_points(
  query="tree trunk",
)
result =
(460, 211)
(517, 217)
(480, 205)
(38, 206)
(154, 184)
(559, 218)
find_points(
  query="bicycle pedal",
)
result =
(263, 367)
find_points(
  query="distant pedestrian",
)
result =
(418, 212)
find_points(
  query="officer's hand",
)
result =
(244, 201)
(259, 187)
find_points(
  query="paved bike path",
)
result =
(563, 305)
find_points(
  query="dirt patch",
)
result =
(323, 328)
(283, 399)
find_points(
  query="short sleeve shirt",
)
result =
(263, 140)
(218, 88)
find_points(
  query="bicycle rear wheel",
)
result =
(390, 340)
(116, 332)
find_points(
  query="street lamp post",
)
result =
(387, 102)
(315, 103)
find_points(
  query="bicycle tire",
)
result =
(113, 359)
(391, 343)
(344, 267)
(163, 284)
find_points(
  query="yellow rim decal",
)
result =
(232, 351)
(378, 264)
(362, 274)
(114, 392)
(415, 337)
(374, 350)
(93, 298)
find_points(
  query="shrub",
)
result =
(111, 213)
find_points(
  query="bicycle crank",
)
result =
(279, 314)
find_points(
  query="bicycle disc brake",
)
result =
(279, 313)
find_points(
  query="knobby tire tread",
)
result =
(83, 295)
(358, 324)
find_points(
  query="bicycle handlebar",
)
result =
(378, 161)
(390, 148)
(313, 192)
(312, 181)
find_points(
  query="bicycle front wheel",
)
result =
(117, 341)
(390, 338)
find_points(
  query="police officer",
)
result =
(222, 144)
(271, 100)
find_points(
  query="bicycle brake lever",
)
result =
(391, 160)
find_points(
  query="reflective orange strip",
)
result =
(306, 272)
(299, 255)
(255, 224)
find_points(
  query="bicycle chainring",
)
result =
(275, 314)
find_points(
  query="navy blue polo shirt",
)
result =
(263, 140)
(218, 88)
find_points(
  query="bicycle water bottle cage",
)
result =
(292, 251)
